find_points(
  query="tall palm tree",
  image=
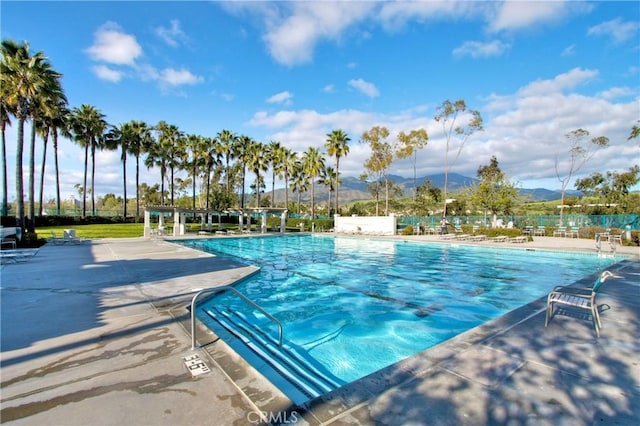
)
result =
(125, 136)
(211, 158)
(225, 142)
(136, 147)
(285, 170)
(196, 146)
(52, 120)
(299, 180)
(4, 120)
(312, 163)
(165, 153)
(59, 123)
(274, 156)
(22, 76)
(241, 152)
(88, 126)
(43, 105)
(337, 145)
(328, 178)
(257, 162)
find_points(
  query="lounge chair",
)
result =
(66, 239)
(17, 256)
(579, 298)
(500, 239)
(519, 239)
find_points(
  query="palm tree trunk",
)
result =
(45, 141)
(5, 188)
(137, 185)
(84, 188)
(19, 174)
(93, 179)
(32, 186)
(337, 182)
(124, 180)
(55, 161)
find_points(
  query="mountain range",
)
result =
(352, 189)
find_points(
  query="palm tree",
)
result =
(226, 141)
(53, 119)
(274, 156)
(196, 145)
(257, 162)
(166, 153)
(240, 151)
(329, 178)
(299, 180)
(127, 137)
(211, 158)
(22, 81)
(337, 145)
(136, 147)
(88, 126)
(4, 120)
(312, 163)
(285, 168)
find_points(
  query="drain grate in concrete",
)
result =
(195, 365)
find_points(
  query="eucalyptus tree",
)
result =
(88, 125)
(337, 145)
(312, 165)
(329, 178)
(579, 153)
(225, 143)
(408, 146)
(23, 77)
(274, 156)
(241, 151)
(377, 165)
(494, 193)
(448, 114)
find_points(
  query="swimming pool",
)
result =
(351, 306)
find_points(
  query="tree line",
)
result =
(31, 90)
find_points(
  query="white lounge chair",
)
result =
(579, 298)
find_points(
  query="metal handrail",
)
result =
(241, 296)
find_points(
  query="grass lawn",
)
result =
(111, 230)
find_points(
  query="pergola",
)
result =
(180, 213)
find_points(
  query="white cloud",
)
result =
(561, 82)
(281, 98)
(514, 15)
(179, 77)
(477, 49)
(364, 87)
(172, 35)
(568, 51)
(103, 72)
(616, 92)
(113, 46)
(291, 39)
(617, 29)
(329, 88)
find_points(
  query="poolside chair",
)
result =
(579, 298)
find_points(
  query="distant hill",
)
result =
(352, 189)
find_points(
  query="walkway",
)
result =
(95, 334)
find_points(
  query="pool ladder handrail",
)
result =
(212, 290)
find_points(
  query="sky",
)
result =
(293, 71)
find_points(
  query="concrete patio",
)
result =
(97, 334)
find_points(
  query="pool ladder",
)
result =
(214, 290)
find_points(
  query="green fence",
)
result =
(619, 221)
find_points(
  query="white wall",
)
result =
(376, 225)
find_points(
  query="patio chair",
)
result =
(579, 298)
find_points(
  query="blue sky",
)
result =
(294, 71)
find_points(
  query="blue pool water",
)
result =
(351, 306)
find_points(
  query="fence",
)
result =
(619, 221)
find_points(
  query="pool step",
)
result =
(284, 359)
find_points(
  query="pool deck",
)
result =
(97, 334)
